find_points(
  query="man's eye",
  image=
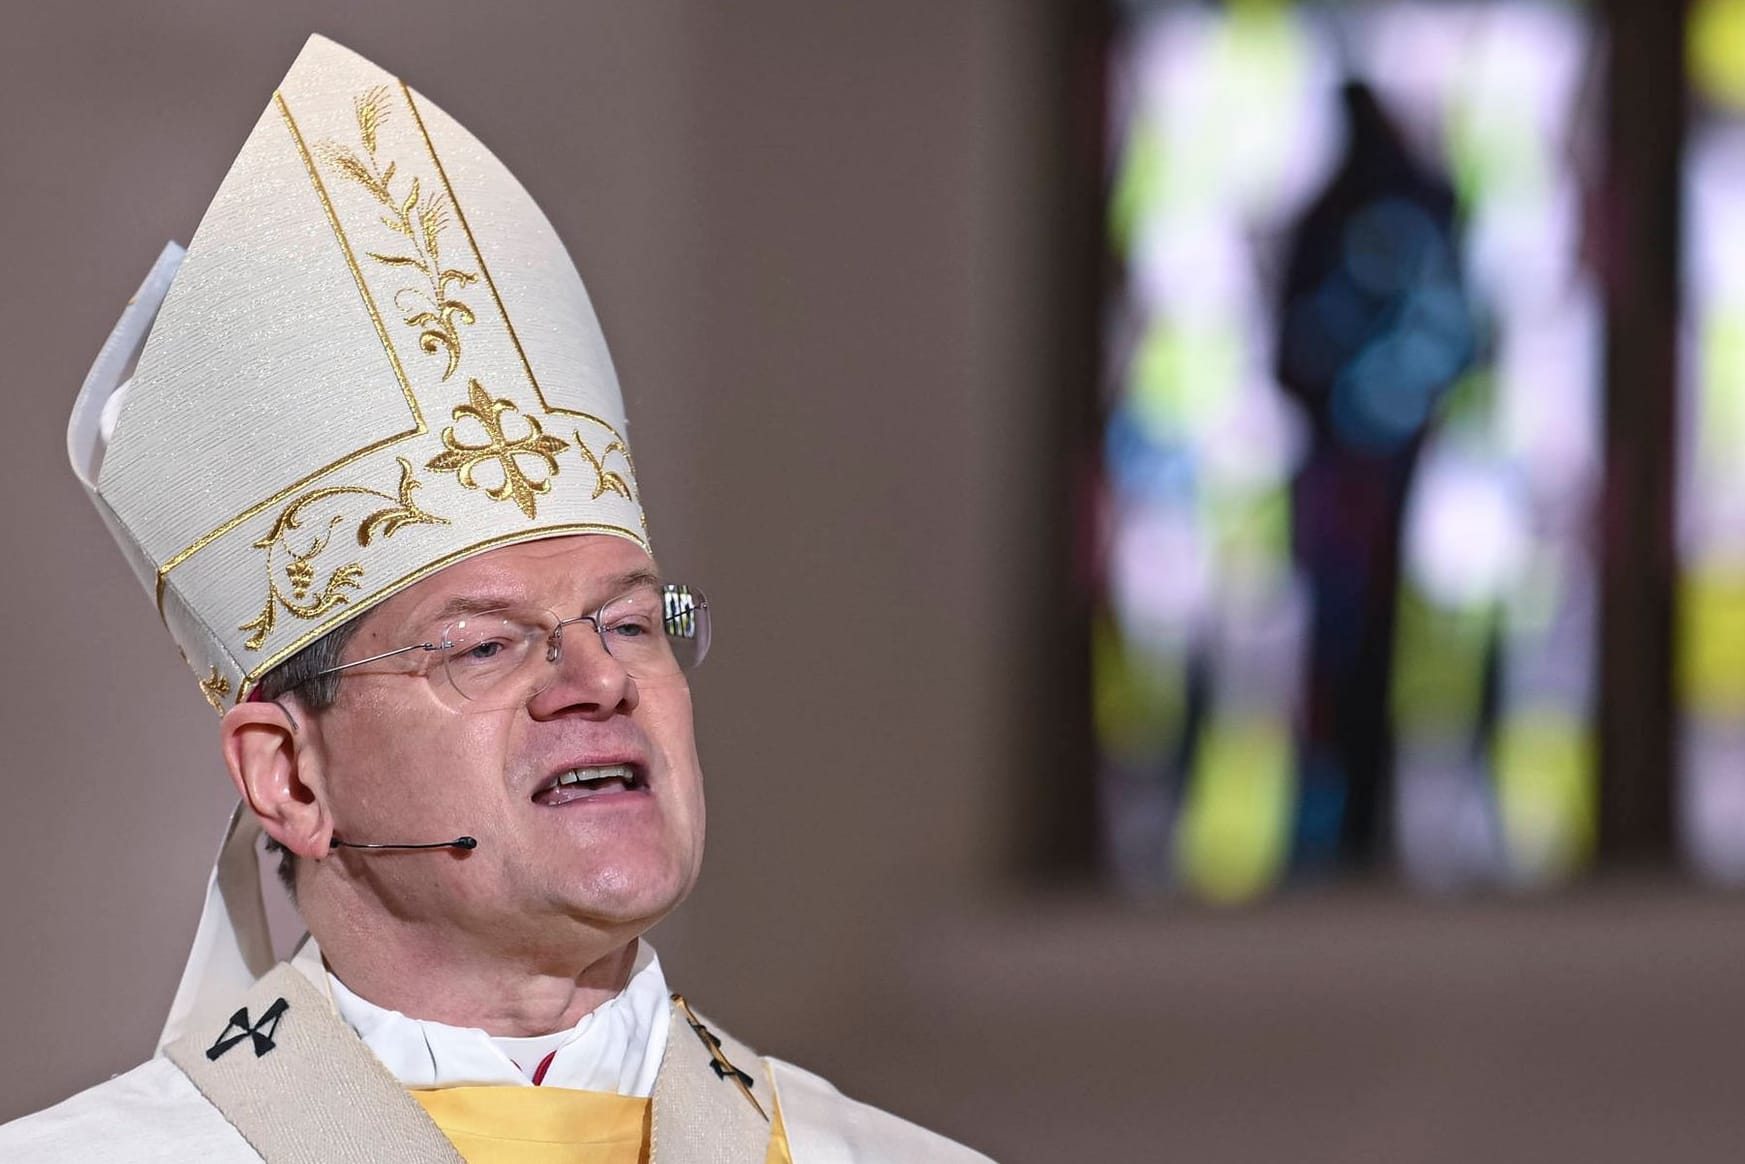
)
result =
(630, 628)
(481, 652)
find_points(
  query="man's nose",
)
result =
(585, 678)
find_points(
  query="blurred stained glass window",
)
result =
(1711, 484)
(1349, 448)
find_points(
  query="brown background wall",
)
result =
(824, 242)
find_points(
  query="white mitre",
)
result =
(374, 360)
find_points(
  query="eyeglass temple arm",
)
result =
(384, 655)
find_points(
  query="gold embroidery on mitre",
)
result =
(484, 267)
(606, 481)
(215, 687)
(305, 599)
(420, 219)
(463, 459)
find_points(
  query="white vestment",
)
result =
(157, 1113)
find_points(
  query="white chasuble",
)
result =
(276, 1074)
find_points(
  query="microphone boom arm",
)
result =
(465, 844)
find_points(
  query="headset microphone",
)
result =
(462, 843)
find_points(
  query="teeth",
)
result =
(589, 775)
(584, 783)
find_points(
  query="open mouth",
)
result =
(588, 783)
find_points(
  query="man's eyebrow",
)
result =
(633, 579)
(465, 604)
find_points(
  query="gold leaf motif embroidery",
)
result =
(215, 687)
(405, 512)
(606, 481)
(463, 459)
(433, 308)
(305, 600)
(371, 108)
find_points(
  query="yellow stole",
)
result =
(552, 1125)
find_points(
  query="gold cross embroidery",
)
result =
(463, 459)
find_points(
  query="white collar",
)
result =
(617, 1047)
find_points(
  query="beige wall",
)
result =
(809, 229)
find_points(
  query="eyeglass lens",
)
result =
(501, 657)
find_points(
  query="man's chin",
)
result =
(626, 897)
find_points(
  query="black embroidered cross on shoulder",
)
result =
(261, 1032)
(718, 1061)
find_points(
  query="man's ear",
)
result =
(275, 763)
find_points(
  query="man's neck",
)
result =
(448, 980)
